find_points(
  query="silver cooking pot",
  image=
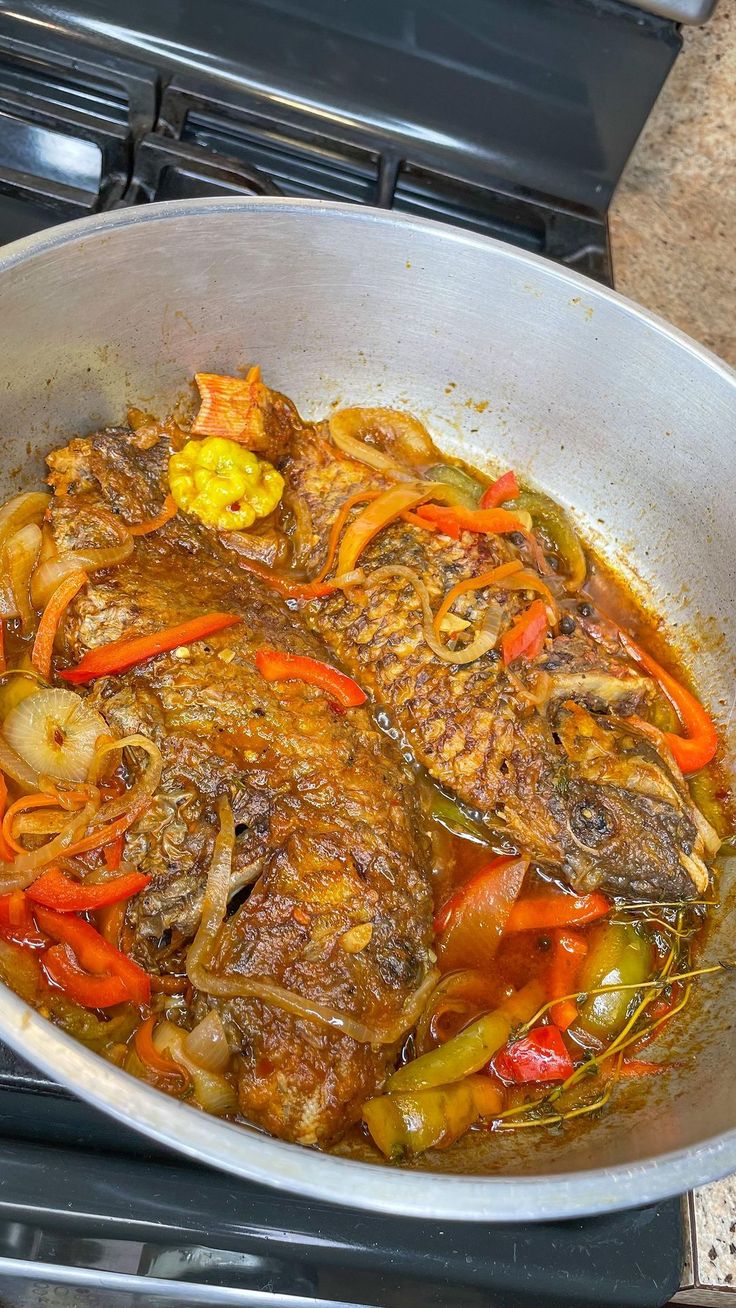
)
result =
(512, 360)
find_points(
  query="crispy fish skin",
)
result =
(324, 808)
(470, 725)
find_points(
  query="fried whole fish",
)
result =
(339, 914)
(573, 781)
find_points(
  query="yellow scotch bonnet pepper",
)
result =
(223, 484)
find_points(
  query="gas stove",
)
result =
(505, 118)
(511, 119)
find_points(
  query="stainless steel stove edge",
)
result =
(691, 12)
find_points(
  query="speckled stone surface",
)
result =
(709, 1275)
(673, 234)
(673, 222)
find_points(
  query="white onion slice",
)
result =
(22, 509)
(55, 732)
(212, 1091)
(207, 1044)
(20, 556)
(48, 575)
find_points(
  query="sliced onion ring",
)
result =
(212, 1090)
(16, 768)
(22, 509)
(49, 574)
(144, 788)
(484, 641)
(207, 1044)
(25, 868)
(413, 439)
(20, 555)
(55, 730)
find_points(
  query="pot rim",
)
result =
(250, 1154)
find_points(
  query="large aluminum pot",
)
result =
(510, 358)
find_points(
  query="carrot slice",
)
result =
(43, 645)
(451, 521)
(413, 518)
(168, 512)
(289, 589)
(542, 912)
(107, 835)
(317, 587)
(150, 1056)
(490, 578)
(569, 950)
(359, 498)
(22, 805)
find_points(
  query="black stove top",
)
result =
(94, 1210)
(509, 117)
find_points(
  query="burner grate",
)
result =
(68, 125)
(227, 136)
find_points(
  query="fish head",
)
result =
(629, 826)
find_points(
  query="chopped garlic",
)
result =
(451, 624)
(356, 938)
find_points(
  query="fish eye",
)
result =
(591, 822)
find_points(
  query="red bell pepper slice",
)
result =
(503, 488)
(697, 747)
(539, 1056)
(54, 889)
(276, 666)
(526, 637)
(471, 922)
(94, 953)
(113, 853)
(298, 590)
(90, 991)
(452, 521)
(568, 951)
(120, 655)
(543, 912)
(16, 920)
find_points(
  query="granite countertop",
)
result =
(673, 233)
(673, 221)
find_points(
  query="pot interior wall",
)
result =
(510, 361)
